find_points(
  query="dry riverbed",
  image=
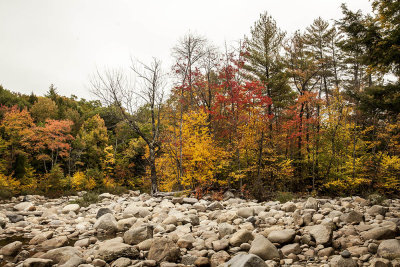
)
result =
(139, 230)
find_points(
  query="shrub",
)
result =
(87, 199)
(82, 182)
(284, 196)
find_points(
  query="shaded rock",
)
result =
(263, 248)
(216, 205)
(378, 233)
(376, 210)
(102, 211)
(352, 217)
(107, 223)
(41, 238)
(339, 261)
(241, 236)
(321, 233)
(311, 203)
(23, 206)
(74, 261)
(134, 211)
(291, 249)
(37, 262)
(121, 262)
(136, 235)
(164, 249)
(14, 218)
(389, 249)
(190, 200)
(55, 242)
(289, 207)
(225, 229)
(11, 249)
(62, 255)
(186, 241)
(71, 207)
(219, 258)
(245, 212)
(112, 250)
(220, 244)
(202, 262)
(282, 236)
(246, 260)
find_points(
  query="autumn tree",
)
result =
(51, 142)
(44, 108)
(113, 88)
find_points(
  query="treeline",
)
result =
(316, 111)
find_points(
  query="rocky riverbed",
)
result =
(139, 230)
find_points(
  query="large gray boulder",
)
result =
(321, 233)
(134, 211)
(282, 236)
(37, 262)
(352, 217)
(136, 235)
(112, 250)
(389, 249)
(163, 249)
(55, 242)
(311, 203)
(11, 249)
(23, 206)
(246, 260)
(61, 255)
(263, 248)
(106, 223)
(240, 237)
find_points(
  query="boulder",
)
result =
(62, 255)
(282, 236)
(352, 217)
(246, 260)
(112, 250)
(71, 207)
(321, 233)
(291, 249)
(163, 249)
(135, 235)
(37, 262)
(219, 258)
(23, 206)
(245, 212)
(11, 249)
(134, 211)
(37, 239)
(225, 229)
(340, 261)
(376, 210)
(389, 249)
(102, 211)
(107, 223)
(378, 233)
(263, 248)
(241, 236)
(311, 203)
(55, 242)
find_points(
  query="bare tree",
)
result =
(113, 87)
(188, 51)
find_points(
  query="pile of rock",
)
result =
(140, 230)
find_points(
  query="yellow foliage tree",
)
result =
(81, 182)
(202, 157)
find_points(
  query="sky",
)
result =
(45, 42)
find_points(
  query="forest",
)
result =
(313, 112)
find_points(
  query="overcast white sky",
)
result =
(63, 42)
